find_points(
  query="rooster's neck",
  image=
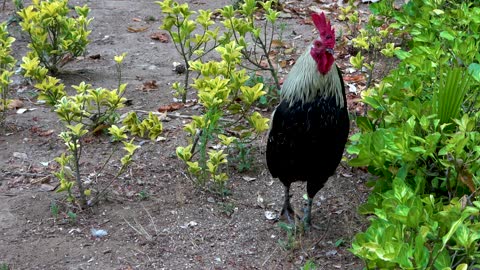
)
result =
(305, 82)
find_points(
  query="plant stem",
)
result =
(76, 157)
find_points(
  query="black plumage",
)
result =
(306, 141)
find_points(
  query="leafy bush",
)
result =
(190, 46)
(7, 62)
(222, 92)
(55, 37)
(194, 39)
(420, 139)
(229, 123)
(89, 111)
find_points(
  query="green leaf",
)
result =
(402, 55)
(474, 70)
(447, 35)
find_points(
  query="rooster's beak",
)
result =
(330, 51)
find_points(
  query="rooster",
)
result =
(309, 128)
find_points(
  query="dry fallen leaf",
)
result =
(47, 187)
(148, 85)
(353, 78)
(136, 19)
(95, 56)
(279, 44)
(137, 30)
(46, 133)
(171, 107)
(248, 178)
(162, 37)
(99, 129)
(15, 104)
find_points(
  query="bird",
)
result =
(310, 125)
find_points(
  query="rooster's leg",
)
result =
(287, 210)
(312, 188)
(307, 217)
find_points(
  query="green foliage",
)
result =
(90, 110)
(72, 217)
(373, 42)
(195, 38)
(189, 43)
(54, 209)
(309, 265)
(7, 63)
(420, 139)
(253, 35)
(225, 90)
(54, 36)
(4, 266)
(293, 236)
(222, 91)
(143, 195)
(417, 231)
(242, 156)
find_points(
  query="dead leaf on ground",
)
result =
(15, 104)
(46, 133)
(95, 56)
(353, 78)
(466, 177)
(41, 180)
(132, 29)
(47, 187)
(248, 178)
(264, 63)
(171, 107)
(136, 19)
(98, 130)
(162, 37)
(40, 132)
(148, 86)
(279, 44)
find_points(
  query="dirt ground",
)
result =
(178, 226)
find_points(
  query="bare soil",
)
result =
(177, 226)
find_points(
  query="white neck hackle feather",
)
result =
(305, 82)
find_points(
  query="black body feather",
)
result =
(306, 140)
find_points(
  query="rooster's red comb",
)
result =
(323, 26)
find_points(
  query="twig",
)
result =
(177, 115)
(141, 231)
(324, 234)
(151, 219)
(33, 175)
(269, 256)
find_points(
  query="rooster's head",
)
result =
(322, 47)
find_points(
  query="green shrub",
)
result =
(420, 139)
(55, 37)
(229, 118)
(7, 63)
(90, 110)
